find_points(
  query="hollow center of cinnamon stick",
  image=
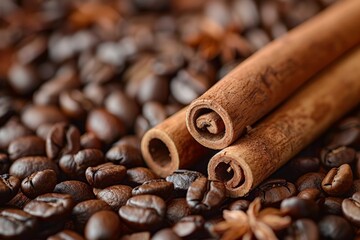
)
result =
(210, 125)
(231, 175)
(159, 152)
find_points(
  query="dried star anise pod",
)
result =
(257, 223)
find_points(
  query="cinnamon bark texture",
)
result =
(219, 117)
(251, 159)
(169, 146)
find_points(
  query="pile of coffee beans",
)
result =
(80, 83)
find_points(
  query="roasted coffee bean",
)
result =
(19, 201)
(300, 208)
(105, 126)
(43, 130)
(334, 156)
(143, 212)
(273, 191)
(75, 104)
(84, 210)
(131, 140)
(26, 146)
(356, 166)
(177, 208)
(153, 88)
(66, 235)
(50, 206)
(79, 191)
(103, 225)
(39, 183)
(11, 131)
(204, 194)
(154, 113)
(126, 155)
(338, 180)
(4, 163)
(89, 140)
(26, 166)
(310, 193)
(351, 208)
(9, 186)
(332, 205)
(300, 166)
(139, 175)
(75, 165)
(141, 126)
(310, 180)
(335, 227)
(105, 175)
(240, 204)
(16, 224)
(165, 234)
(137, 236)
(116, 195)
(189, 226)
(303, 229)
(355, 187)
(35, 116)
(182, 179)
(348, 133)
(62, 139)
(158, 187)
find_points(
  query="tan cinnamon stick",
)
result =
(251, 159)
(219, 117)
(169, 146)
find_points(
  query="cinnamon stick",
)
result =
(169, 146)
(251, 159)
(219, 117)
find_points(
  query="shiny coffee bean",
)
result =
(153, 88)
(105, 175)
(137, 236)
(130, 140)
(39, 183)
(116, 195)
(348, 133)
(240, 204)
(11, 131)
(75, 104)
(26, 146)
(338, 180)
(19, 201)
(332, 205)
(334, 156)
(50, 206)
(143, 212)
(84, 210)
(74, 166)
(204, 194)
(89, 140)
(303, 229)
(43, 130)
(182, 179)
(16, 224)
(165, 234)
(300, 208)
(104, 224)
(26, 166)
(62, 139)
(79, 191)
(310, 193)
(351, 209)
(273, 191)
(310, 180)
(300, 166)
(4, 163)
(189, 226)
(9, 187)
(126, 155)
(335, 227)
(177, 208)
(66, 235)
(154, 113)
(158, 187)
(139, 175)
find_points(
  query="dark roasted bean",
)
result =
(116, 195)
(335, 227)
(74, 104)
(139, 175)
(158, 187)
(310, 193)
(103, 225)
(351, 208)
(176, 209)
(66, 235)
(334, 156)
(332, 205)
(19, 201)
(105, 175)
(4, 163)
(303, 229)
(26, 146)
(300, 166)
(310, 180)
(182, 179)
(16, 224)
(26, 166)
(240, 204)
(348, 133)
(11, 131)
(300, 208)
(131, 140)
(338, 180)
(153, 88)
(89, 140)
(126, 155)
(137, 236)
(165, 234)
(39, 183)
(154, 113)
(9, 186)
(189, 226)
(79, 191)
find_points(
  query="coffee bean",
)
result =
(158, 187)
(300, 208)
(26, 146)
(66, 235)
(22, 78)
(310, 193)
(79, 191)
(138, 175)
(355, 187)
(75, 104)
(310, 180)
(351, 208)
(103, 225)
(126, 155)
(105, 126)
(19, 201)
(50, 206)
(153, 88)
(176, 209)
(74, 166)
(189, 226)
(338, 180)
(16, 224)
(154, 113)
(39, 183)
(300, 166)
(26, 166)
(182, 179)
(116, 195)
(240, 204)
(62, 139)
(43, 130)
(105, 175)
(143, 212)
(89, 140)
(273, 191)
(4, 163)
(303, 229)
(357, 166)
(137, 236)
(131, 140)
(332, 205)
(165, 234)
(348, 133)
(9, 186)
(335, 227)
(204, 194)
(84, 210)
(11, 131)
(334, 156)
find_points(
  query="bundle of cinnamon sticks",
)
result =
(320, 60)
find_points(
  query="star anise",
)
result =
(261, 224)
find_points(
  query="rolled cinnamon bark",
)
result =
(251, 159)
(219, 117)
(169, 146)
